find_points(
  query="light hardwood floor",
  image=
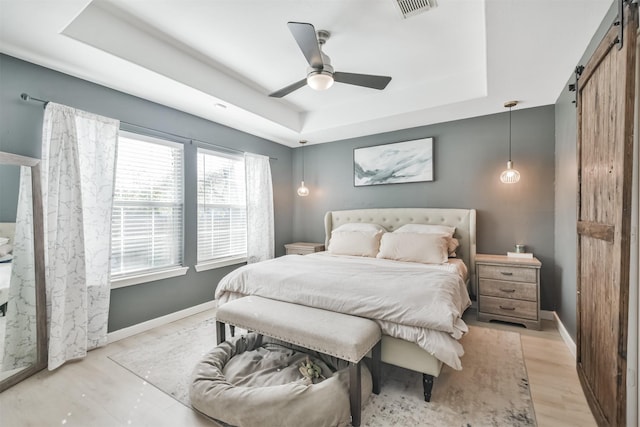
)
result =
(98, 392)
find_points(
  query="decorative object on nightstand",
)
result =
(303, 248)
(520, 252)
(508, 289)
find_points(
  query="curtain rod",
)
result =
(27, 97)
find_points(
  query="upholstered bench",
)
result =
(346, 337)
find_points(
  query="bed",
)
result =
(314, 280)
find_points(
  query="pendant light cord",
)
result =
(303, 142)
(510, 133)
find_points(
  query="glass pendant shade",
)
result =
(303, 191)
(320, 80)
(510, 175)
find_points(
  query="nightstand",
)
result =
(303, 248)
(508, 289)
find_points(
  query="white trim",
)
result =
(158, 321)
(148, 277)
(227, 154)
(153, 139)
(565, 335)
(223, 262)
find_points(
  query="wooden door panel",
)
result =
(606, 93)
(598, 360)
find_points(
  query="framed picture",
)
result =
(396, 163)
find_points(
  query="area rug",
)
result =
(491, 390)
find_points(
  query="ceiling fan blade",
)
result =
(305, 35)
(287, 90)
(366, 80)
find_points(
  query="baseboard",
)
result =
(565, 335)
(158, 321)
(547, 315)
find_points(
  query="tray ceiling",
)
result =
(220, 59)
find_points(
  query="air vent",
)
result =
(409, 8)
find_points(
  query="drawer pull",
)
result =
(509, 291)
(506, 273)
(508, 308)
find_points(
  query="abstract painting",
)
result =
(400, 162)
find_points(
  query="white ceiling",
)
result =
(464, 58)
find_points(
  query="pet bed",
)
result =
(256, 381)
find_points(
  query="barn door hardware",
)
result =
(573, 87)
(620, 21)
(620, 24)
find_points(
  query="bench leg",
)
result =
(427, 384)
(220, 332)
(376, 366)
(355, 394)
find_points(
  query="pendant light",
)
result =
(510, 175)
(303, 191)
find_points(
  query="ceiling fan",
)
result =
(320, 74)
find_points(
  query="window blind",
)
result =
(222, 212)
(147, 219)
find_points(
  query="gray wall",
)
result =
(21, 133)
(9, 184)
(567, 189)
(469, 156)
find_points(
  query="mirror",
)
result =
(23, 348)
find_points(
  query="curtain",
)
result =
(260, 230)
(78, 163)
(20, 341)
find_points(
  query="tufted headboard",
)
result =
(464, 220)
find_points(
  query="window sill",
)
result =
(224, 262)
(148, 277)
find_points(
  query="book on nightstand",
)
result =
(520, 254)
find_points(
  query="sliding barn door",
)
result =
(606, 91)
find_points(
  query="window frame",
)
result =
(150, 275)
(222, 261)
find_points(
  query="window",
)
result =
(222, 211)
(147, 219)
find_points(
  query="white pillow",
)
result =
(356, 243)
(5, 249)
(453, 243)
(4, 240)
(360, 226)
(414, 247)
(426, 228)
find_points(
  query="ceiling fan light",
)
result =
(320, 80)
(510, 175)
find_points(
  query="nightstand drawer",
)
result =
(299, 251)
(509, 307)
(508, 289)
(503, 272)
(303, 248)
